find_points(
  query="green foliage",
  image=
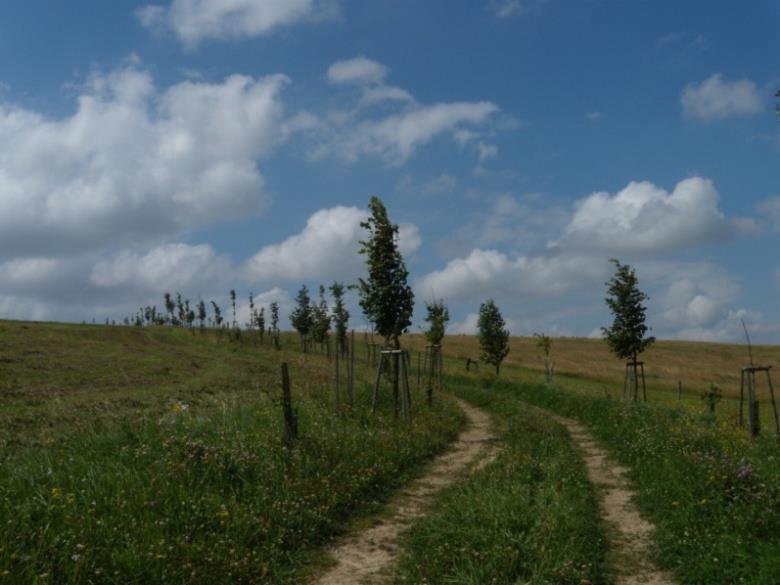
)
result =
(301, 317)
(437, 318)
(320, 319)
(233, 303)
(274, 317)
(493, 335)
(217, 314)
(711, 397)
(202, 313)
(530, 516)
(385, 297)
(340, 314)
(626, 336)
(544, 343)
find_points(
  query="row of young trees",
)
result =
(179, 312)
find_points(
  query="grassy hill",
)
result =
(152, 455)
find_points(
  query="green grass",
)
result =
(713, 494)
(155, 455)
(530, 516)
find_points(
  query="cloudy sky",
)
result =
(203, 145)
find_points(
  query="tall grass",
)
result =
(188, 481)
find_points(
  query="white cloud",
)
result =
(327, 248)
(351, 133)
(716, 99)
(167, 267)
(395, 138)
(385, 93)
(469, 325)
(133, 163)
(358, 71)
(489, 272)
(196, 20)
(643, 218)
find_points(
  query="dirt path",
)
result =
(629, 535)
(364, 558)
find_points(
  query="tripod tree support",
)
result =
(402, 397)
(748, 381)
(631, 382)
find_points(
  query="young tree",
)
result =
(544, 342)
(493, 335)
(340, 316)
(438, 316)
(321, 318)
(251, 310)
(169, 307)
(626, 336)
(275, 323)
(217, 315)
(385, 297)
(202, 313)
(260, 322)
(180, 309)
(301, 317)
(233, 303)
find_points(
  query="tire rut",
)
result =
(629, 535)
(366, 556)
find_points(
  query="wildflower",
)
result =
(56, 493)
(75, 557)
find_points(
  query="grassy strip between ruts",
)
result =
(202, 494)
(530, 516)
(713, 494)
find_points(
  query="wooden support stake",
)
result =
(338, 386)
(376, 384)
(741, 398)
(290, 415)
(351, 378)
(407, 391)
(774, 404)
(679, 389)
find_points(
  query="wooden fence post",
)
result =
(290, 415)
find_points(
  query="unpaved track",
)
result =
(364, 557)
(629, 535)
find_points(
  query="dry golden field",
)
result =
(695, 364)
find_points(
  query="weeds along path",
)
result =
(364, 557)
(629, 535)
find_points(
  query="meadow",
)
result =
(137, 455)
(155, 454)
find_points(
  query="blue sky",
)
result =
(199, 146)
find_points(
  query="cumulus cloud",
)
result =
(167, 267)
(133, 163)
(523, 277)
(644, 219)
(716, 99)
(358, 71)
(196, 20)
(327, 248)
